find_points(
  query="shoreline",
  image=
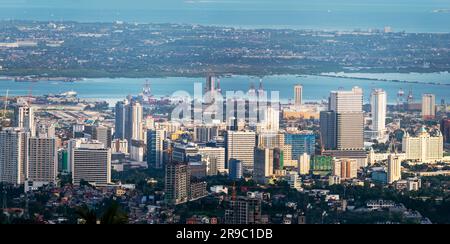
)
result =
(347, 75)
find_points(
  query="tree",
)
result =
(113, 215)
(87, 215)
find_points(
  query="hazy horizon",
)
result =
(401, 15)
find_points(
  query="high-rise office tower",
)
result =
(345, 168)
(216, 153)
(24, 118)
(210, 84)
(350, 131)
(45, 130)
(346, 101)
(301, 142)
(263, 165)
(240, 146)
(271, 120)
(379, 108)
(328, 130)
(271, 140)
(304, 164)
(155, 150)
(137, 116)
(102, 134)
(236, 170)
(210, 89)
(121, 118)
(204, 134)
(243, 210)
(428, 106)
(13, 155)
(177, 183)
(298, 94)
(394, 172)
(445, 128)
(42, 160)
(129, 121)
(349, 118)
(91, 162)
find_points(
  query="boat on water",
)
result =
(25, 79)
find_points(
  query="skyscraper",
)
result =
(349, 118)
(236, 170)
(122, 112)
(155, 150)
(378, 110)
(428, 106)
(13, 155)
(129, 121)
(204, 134)
(210, 89)
(271, 120)
(328, 130)
(210, 84)
(214, 153)
(445, 128)
(240, 146)
(304, 164)
(394, 172)
(24, 118)
(91, 162)
(298, 94)
(177, 183)
(102, 134)
(137, 116)
(301, 142)
(263, 165)
(42, 160)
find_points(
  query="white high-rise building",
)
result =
(155, 148)
(240, 146)
(137, 121)
(13, 155)
(91, 162)
(294, 181)
(24, 118)
(379, 109)
(424, 148)
(271, 121)
(346, 101)
(394, 172)
(428, 106)
(298, 95)
(42, 160)
(304, 164)
(214, 152)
